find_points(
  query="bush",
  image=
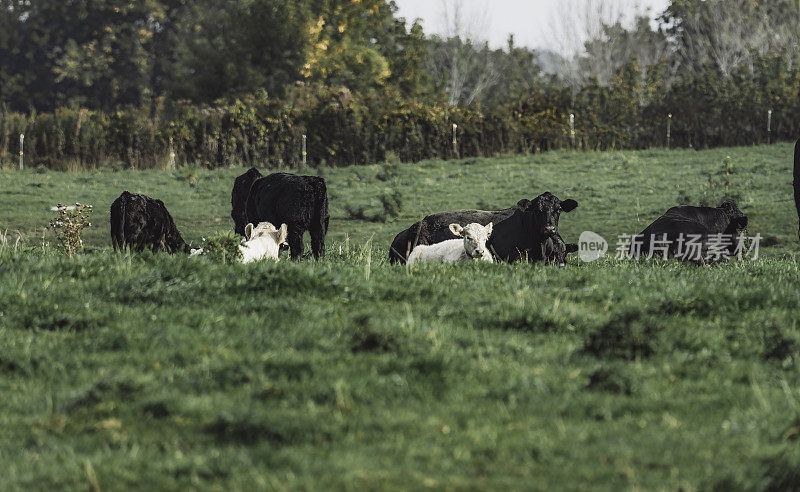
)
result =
(223, 248)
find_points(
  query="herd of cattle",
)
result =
(528, 231)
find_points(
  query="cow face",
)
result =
(263, 241)
(475, 237)
(738, 220)
(546, 210)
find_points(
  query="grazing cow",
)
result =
(473, 246)
(797, 183)
(139, 222)
(261, 241)
(526, 233)
(435, 228)
(680, 227)
(241, 190)
(301, 202)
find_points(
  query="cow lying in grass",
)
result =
(261, 241)
(472, 246)
(688, 233)
(520, 232)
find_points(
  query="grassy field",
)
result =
(158, 372)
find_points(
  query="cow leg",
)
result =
(318, 239)
(295, 240)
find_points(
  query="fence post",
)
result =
(572, 129)
(769, 126)
(455, 141)
(21, 151)
(171, 155)
(304, 151)
(669, 128)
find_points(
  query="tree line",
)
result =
(229, 81)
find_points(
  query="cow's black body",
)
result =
(139, 222)
(300, 202)
(241, 190)
(688, 221)
(797, 183)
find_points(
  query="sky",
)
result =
(532, 21)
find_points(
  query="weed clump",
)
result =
(69, 225)
(223, 248)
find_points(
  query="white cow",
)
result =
(261, 241)
(473, 246)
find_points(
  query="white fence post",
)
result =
(572, 129)
(305, 154)
(21, 151)
(769, 126)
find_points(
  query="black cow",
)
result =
(690, 223)
(435, 228)
(301, 202)
(797, 183)
(528, 233)
(139, 222)
(241, 190)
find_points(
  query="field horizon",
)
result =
(167, 372)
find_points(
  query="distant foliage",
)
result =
(346, 128)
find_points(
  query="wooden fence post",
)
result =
(455, 141)
(304, 151)
(669, 128)
(21, 151)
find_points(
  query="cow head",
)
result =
(738, 220)
(264, 240)
(475, 237)
(545, 211)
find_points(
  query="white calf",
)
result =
(472, 246)
(261, 241)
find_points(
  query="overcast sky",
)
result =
(531, 21)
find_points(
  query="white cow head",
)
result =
(262, 241)
(475, 237)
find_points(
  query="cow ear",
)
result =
(489, 228)
(572, 248)
(456, 229)
(283, 233)
(569, 205)
(248, 231)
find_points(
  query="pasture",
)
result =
(159, 372)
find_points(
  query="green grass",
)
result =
(159, 372)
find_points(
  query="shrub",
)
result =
(69, 225)
(223, 248)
